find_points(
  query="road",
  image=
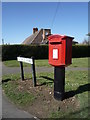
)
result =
(9, 110)
(15, 70)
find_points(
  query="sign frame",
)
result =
(30, 61)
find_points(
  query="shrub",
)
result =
(11, 52)
(80, 51)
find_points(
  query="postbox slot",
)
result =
(53, 43)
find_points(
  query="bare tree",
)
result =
(88, 38)
(2, 41)
(85, 42)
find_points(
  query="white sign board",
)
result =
(55, 53)
(26, 60)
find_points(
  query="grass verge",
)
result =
(76, 62)
(11, 88)
(15, 63)
(76, 87)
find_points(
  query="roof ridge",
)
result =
(31, 37)
(36, 35)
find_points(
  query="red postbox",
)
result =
(60, 50)
(60, 56)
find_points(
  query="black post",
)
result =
(59, 82)
(22, 72)
(33, 72)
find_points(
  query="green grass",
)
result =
(11, 90)
(76, 62)
(79, 62)
(76, 81)
(15, 63)
(41, 63)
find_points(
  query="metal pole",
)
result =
(33, 72)
(22, 72)
(59, 82)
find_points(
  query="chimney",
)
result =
(35, 30)
(43, 34)
(46, 32)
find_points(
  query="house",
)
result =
(38, 37)
(74, 42)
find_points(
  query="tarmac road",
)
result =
(9, 110)
(15, 70)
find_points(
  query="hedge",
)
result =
(80, 51)
(11, 52)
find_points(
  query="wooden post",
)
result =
(22, 72)
(33, 72)
(31, 61)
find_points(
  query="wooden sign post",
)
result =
(30, 61)
(22, 72)
(33, 72)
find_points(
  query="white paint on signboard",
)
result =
(55, 53)
(26, 60)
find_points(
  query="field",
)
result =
(39, 100)
(76, 62)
